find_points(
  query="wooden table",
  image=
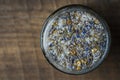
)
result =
(20, 25)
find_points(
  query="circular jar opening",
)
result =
(75, 39)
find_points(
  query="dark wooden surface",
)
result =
(20, 55)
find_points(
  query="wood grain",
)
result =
(20, 25)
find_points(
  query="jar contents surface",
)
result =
(74, 40)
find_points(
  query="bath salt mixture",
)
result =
(74, 40)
